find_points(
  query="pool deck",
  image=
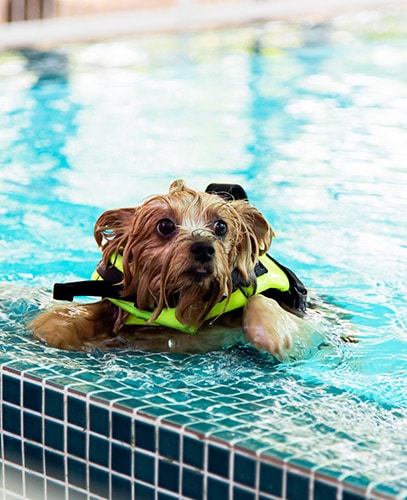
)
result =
(184, 16)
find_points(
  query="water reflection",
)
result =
(46, 120)
(36, 222)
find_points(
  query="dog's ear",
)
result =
(263, 230)
(256, 225)
(254, 239)
(112, 229)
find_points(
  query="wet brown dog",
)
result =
(179, 252)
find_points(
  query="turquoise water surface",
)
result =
(311, 121)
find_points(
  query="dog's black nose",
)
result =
(203, 251)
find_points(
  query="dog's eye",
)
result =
(220, 228)
(165, 227)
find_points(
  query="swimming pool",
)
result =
(310, 120)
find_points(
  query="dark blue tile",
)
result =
(77, 473)
(121, 428)
(271, 478)
(76, 411)
(54, 435)
(34, 458)
(121, 488)
(32, 427)
(11, 390)
(34, 487)
(297, 486)
(168, 475)
(145, 436)
(99, 420)
(348, 495)
(121, 459)
(54, 465)
(242, 494)
(192, 484)
(55, 490)
(245, 470)
(11, 419)
(166, 496)
(32, 396)
(76, 442)
(99, 482)
(142, 492)
(218, 460)
(169, 444)
(323, 491)
(217, 488)
(193, 452)
(12, 450)
(54, 404)
(144, 467)
(99, 451)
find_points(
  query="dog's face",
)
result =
(180, 249)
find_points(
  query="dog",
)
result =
(180, 273)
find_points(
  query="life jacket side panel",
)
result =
(139, 317)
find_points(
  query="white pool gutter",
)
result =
(180, 18)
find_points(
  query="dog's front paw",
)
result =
(64, 327)
(270, 328)
(57, 328)
(74, 326)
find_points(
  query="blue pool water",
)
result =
(311, 121)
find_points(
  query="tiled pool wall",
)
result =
(58, 442)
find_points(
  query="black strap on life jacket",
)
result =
(91, 288)
(294, 299)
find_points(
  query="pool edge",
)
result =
(50, 432)
(91, 27)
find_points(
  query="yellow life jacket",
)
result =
(270, 276)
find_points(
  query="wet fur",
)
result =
(157, 268)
